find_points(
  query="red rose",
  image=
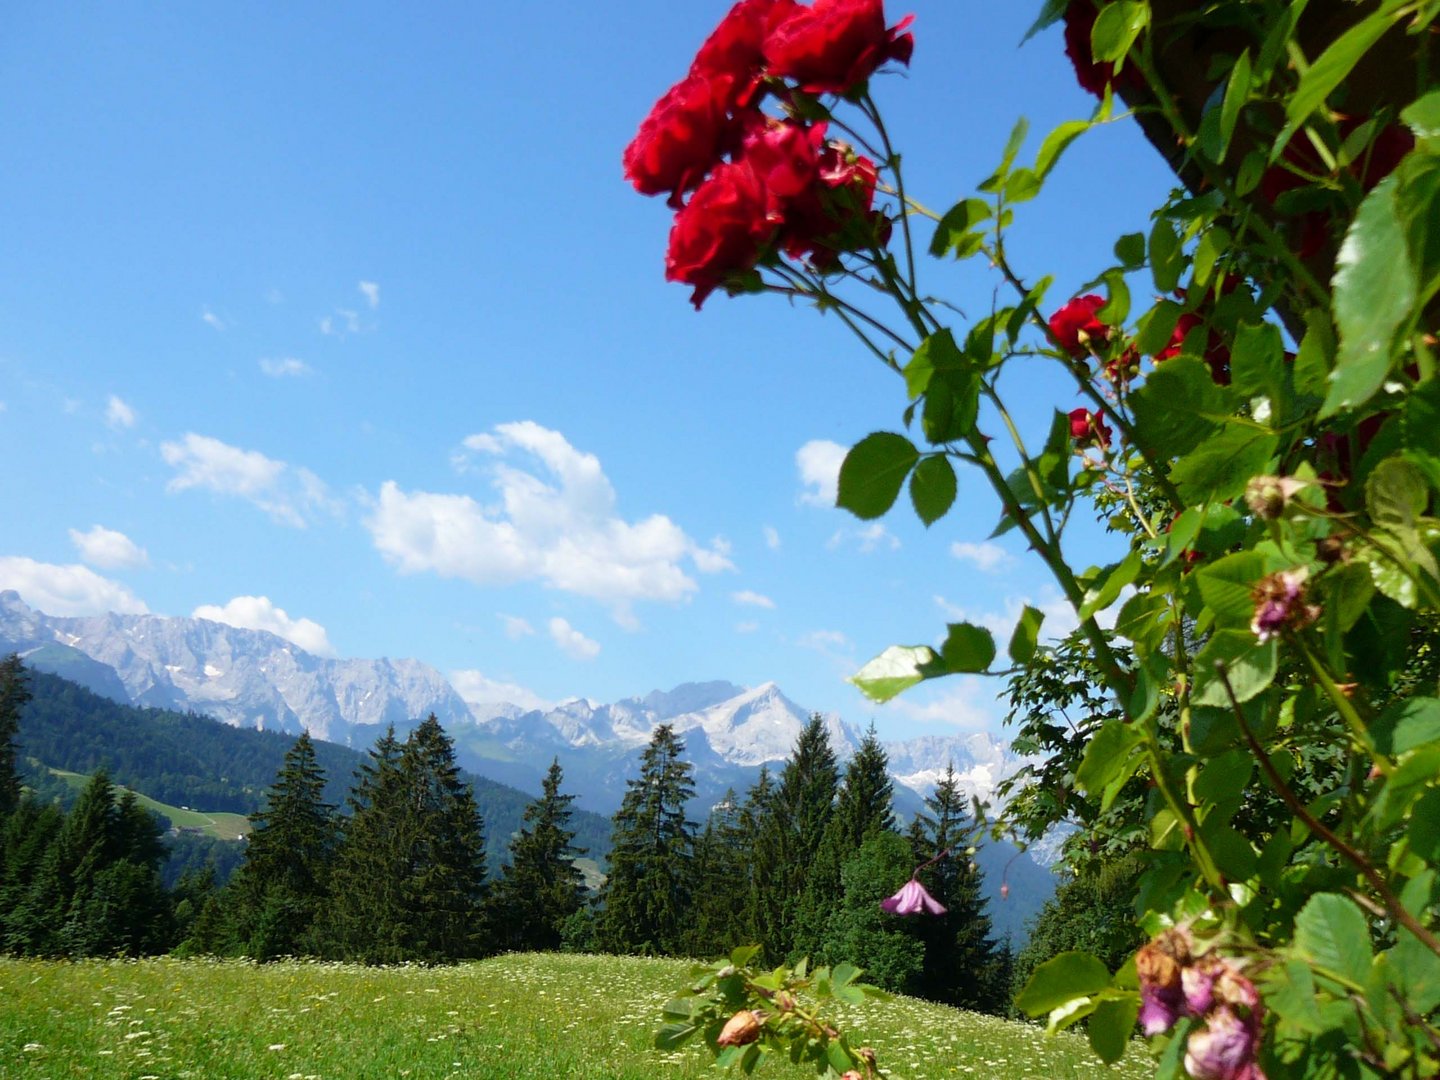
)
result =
(1075, 325)
(834, 216)
(834, 45)
(1080, 19)
(682, 138)
(720, 231)
(786, 157)
(1216, 355)
(1089, 429)
(736, 47)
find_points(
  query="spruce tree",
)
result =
(649, 891)
(722, 882)
(764, 903)
(962, 965)
(891, 950)
(540, 888)
(862, 809)
(284, 883)
(13, 696)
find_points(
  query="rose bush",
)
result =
(1263, 437)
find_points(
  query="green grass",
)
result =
(524, 1017)
(225, 826)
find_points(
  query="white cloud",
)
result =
(964, 702)
(71, 589)
(986, 556)
(209, 318)
(572, 642)
(819, 464)
(281, 367)
(714, 559)
(118, 414)
(746, 627)
(259, 613)
(479, 689)
(108, 549)
(554, 522)
(753, 599)
(1059, 615)
(516, 627)
(341, 323)
(289, 494)
(772, 538)
(868, 538)
(825, 641)
(371, 291)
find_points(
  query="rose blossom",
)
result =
(786, 157)
(1280, 604)
(1080, 19)
(736, 47)
(834, 45)
(682, 138)
(835, 215)
(1075, 325)
(1158, 965)
(1224, 1049)
(1089, 429)
(912, 899)
(720, 231)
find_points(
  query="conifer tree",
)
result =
(13, 696)
(541, 887)
(862, 809)
(890, 949)
(764, 904)
(722, 882)
(284, 883)
(962, 965)
(27, 837)
(649, 891)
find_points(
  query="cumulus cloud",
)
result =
(572, 642)
(819, 464)
(753, 599)
(476, 688)
(966, 703)
(772, 537)
(371, 291)
(285, 367)
(70, 589)
(1059, 615)
(289, 494)
(986, 556)
(108, 549)
(516, 627)
(554, 521)
(259, 613)
(118, 414)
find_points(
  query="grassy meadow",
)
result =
(524, 1016)
(219, 824)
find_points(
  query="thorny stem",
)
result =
(1391, 902)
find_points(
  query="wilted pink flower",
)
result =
(1159, 966)
(912, 899)
(1280, 603)
(1224, 1049)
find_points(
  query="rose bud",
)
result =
(742, 1029)
(1267, 496)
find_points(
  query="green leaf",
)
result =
(1027, 634)
(1225, 586)
(968, 648)
(1257, 364)
(1167, 257)
(1237, 93)
(1330, 68)
(1106, 753)
(873, 472)
(951, 404)
(897, 669)
(1130, 250)
(1316, 358)
(1423, 116)
(1115, 579)
(1396, 494)
(1331, 933)
(956, 229)
(933, 488)
(1178, 406)
(674, 1036)
(1375, 290)
(1111, 1025)
(1117, 28)
(996, 180)
(1050, 14)
(1060, 980)
(1056, 144)
(1156, 327)
(1250, 665)
(1220, 469)
(1407, 725)
(936, 352)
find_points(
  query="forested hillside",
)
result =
(189, 760)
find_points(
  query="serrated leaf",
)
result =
(1111, 1025)
(955, 232)
(1116, 29)
(1220, 469)
(936, 352)
(1250, 665)
(1331, 933)
(933, 488)
(674, 1036)
(897, 669)
(1026, 636)
(1050, 14)
(1061, 980)
(1225, 586)
(1375, 290)
(1237, 93)
(1106, 752)
(873, 472)
(1056, 144)
(1178, 407)
(1407, 725)
(968, 648)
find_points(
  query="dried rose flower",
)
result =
(1280, 603)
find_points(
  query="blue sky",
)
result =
(340, 320)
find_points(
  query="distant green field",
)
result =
(520, 1017)
(225, 826)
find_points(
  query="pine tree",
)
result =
(722, 882)
(26, 838)
(284, 883)
(862, 809)
(13, 696)
(962, 966)
(764, 903)
(648, 894)
(541, 887)
(891, 950)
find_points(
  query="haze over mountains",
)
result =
(253, 678)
